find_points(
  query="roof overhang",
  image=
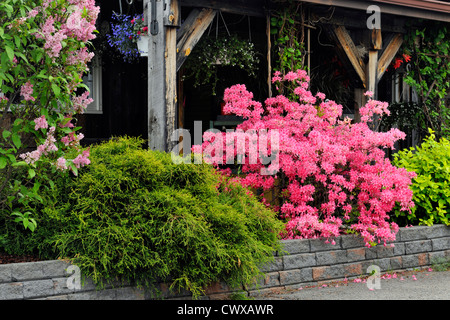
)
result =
(421, 9)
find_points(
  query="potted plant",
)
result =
(212, 53)
(129, 36)
(140, 35)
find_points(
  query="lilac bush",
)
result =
(44, 53)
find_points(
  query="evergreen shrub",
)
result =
(134, 215)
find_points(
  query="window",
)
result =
(93, 80)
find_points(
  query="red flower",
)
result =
(131, 37)
(139, 33)
(144, 29)
(406, 57)
(132, 21)
(398, 63)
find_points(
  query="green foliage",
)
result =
(431, 187)
(134, 215)
(404, 115)
(429, 75)
(240, 296)
(289, 35)
(440, 264)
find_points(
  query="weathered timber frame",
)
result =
(368, 73)
(169, 46)
(171, 43)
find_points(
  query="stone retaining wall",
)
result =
(307, 262)
(310, 262)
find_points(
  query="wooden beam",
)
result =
(345, 42)
(389, 54)
(346, 17)
(190, 33)
(253, 8)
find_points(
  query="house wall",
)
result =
(306, 262)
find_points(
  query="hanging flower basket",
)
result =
(126, 34)
(142, 44)
(212, 53)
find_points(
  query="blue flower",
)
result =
(123, 37)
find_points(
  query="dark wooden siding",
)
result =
(124, 87)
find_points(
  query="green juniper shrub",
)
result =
(431, 187)
(134, 215)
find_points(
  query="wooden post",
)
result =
(156, 80)
(360, 100)
(171, 22)
(372, 64)
(162, 93)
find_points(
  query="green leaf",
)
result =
(16, 140)
(56, 90)
(6, 134)
(32, 226)
(19, 164)
(39, 56)
(17, 41)
(22, 56)
(10, 53)
(18, 122)
(31, 173)
(74, 169)
(3, 162)
(17, 213)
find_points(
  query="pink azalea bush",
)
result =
(333, 172)
(44, 53)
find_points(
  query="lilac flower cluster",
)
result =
(123, 37)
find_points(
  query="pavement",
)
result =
(408, 285)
